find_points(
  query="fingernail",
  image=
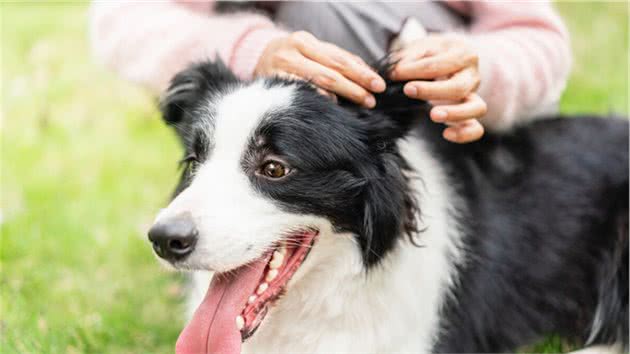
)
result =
(377, 85)
(439, 115)
(450, 135)
(369, 102)
(410, 91)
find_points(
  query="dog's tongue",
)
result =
(213, 326)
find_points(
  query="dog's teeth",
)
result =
(261, 288)
(283, 249)
(252, 299)
(276, 260)
(240, 322)
(271, 274)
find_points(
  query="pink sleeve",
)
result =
(524, 58)
(148, 42)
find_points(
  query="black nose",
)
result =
(174, 238)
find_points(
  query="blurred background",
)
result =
(86, 163)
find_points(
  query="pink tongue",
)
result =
(213, 326)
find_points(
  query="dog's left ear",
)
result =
(390, 209)
(389, 206)
(397, 113)
(189, 86)
(400, 112)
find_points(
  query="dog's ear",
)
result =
(389, 207)
(393, 118)
(189, 86)
(400, 112)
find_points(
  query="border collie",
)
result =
(332, 228)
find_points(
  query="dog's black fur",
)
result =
(544, 207)
(547, 227)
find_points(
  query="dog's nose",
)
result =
(174, 238)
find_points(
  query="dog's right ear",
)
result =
(190, 86)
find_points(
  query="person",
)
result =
(505, 62)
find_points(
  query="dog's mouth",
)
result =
(237, 301)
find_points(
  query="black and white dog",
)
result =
(336, 229)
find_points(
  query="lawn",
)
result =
(86, 163)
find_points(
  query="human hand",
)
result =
(329, 67)
(453, 66)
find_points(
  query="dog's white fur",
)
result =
(331, 303)
(333, 306)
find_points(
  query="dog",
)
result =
(332, 228)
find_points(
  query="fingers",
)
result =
(473, 106)
(328, 94)
(464, 127)
(453, 67)
(321, 91)
(432, 67)
(333, 81)
(464, 132)
(355, 70)
(339, 60)
(456, 88)
(411, 54)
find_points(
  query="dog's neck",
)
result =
(333, 303)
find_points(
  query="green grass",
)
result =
(86, 163)
(599, 32)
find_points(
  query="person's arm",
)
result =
(524, 58)
(148, 42)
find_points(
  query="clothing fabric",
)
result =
(523, 47)
(365, 28)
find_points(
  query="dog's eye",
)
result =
(274, 169)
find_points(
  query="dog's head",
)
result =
(270, 169)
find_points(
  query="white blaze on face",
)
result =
(235, 223)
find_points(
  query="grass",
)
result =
(86, 163)
(599, 32)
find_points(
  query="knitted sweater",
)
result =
(523, 47)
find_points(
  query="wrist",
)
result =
(249, 49)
